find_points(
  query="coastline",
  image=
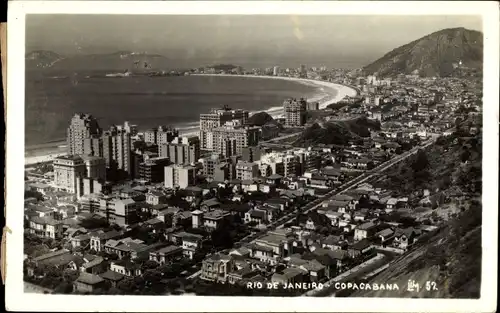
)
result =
(331, 93)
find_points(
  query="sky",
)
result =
(267, 38)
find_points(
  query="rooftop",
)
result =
(89, 279)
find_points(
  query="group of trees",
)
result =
(33, 194)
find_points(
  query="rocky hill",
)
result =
(337, 132)
(436, 54)
(260, 119)
(118, 61)
(42, 59)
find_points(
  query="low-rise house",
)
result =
(82, 240)
(190, 244)
(364, 231)
(87, 282)
(213, 219)
(134, 248)
(338, 255)
(404, 238)
(217, 267)
(289, 275)
(316, 270)
(242, 252)
(390, 205)
(256, 215)
(46, 227)
(274, 179)
(320, 181)
(112, 277)
(316, 221)
(155, 225)
(359, 216)
(61, 259)
(272, 247)
(359, 248)
(242, 274)
(280, 203)
(182, 218)
(96, 266)
(385, 235)
(99, 238)
(126, 268)
(166, 254)
(333, 242)
(334, 216)
(337, 205)
(155, 197)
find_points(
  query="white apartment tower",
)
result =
(82, 126)
(217, 118)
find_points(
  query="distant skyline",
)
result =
(244, 39)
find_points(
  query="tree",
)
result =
(33, 194)
(465, 156)
(126, 285)
(221, 237)
(420, 162)
(64, 287)
(93, 223)
(149, 264)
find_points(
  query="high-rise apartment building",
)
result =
(303, 70)
(93, 146)
(251, 154)
(152, 169)
(230, 139)
(117, 151)
(294, 112)
(217, 118)
(246, 170)
(166, 135)
(160, 135)
(130, 128)
(312, 106)
(67, 169)
(95, 167)
(81, 126)
(276, 70)
(180, 176)
(181, 150)
(88, 186)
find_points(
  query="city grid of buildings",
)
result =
(229, 173)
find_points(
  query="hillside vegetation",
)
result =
(337, 132)
(260, 119)
(433, 55)
(451, 256)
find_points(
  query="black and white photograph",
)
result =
(292, 157)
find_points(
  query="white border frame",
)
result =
(17, 300)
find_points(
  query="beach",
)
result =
(327, 94)
(332, 92)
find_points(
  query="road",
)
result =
(278, 224)
(282, 137)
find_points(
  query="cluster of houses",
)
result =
(346, 230)
(315, 247)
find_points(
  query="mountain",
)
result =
(42, 59)
(117, 61)
(436, 54)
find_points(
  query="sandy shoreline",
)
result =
(331, 93)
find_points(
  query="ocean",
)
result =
(53, 97)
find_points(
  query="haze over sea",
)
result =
(53, 97)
